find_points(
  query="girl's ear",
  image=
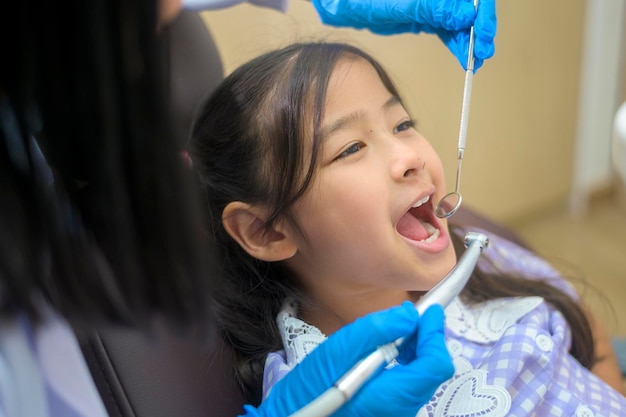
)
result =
(244, 223)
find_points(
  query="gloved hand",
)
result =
(399, 391)
(450, 20)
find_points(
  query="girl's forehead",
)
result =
(355, 69)
(351, 78)
(354, 82)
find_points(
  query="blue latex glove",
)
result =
(399, 391)
(450, 20)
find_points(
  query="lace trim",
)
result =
(299, 338)
(468, 394)
(483, 324)
(488, 321)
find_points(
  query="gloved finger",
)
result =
(432, 360)
(416, 381)
(431, 328)
(458, 44)
(485, 27)
(355, 14)
(445, 14)
(370, 331)
(340, 352)
(406, 352)
(353, 342)
(395, 28)
(415, 385)
(251, 411)
(430, 351)
(452, 15)
(324, 9)
(478, 62)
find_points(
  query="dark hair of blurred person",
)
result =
(108, 227)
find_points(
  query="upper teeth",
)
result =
(422, 201)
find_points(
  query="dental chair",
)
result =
(173, 372)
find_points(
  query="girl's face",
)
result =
(372, 238)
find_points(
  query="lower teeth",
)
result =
(433, 233)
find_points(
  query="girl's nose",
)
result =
(406, 161)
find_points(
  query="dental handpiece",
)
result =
(443, 293)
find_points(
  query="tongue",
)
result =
(411, 228)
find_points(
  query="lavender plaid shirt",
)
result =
(510, 355)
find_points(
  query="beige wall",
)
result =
(520, 140)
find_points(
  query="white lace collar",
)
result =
(487, 321)
(483, 323)
(299, 338)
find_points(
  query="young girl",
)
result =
(320, 196)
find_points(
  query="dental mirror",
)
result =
(451, 202)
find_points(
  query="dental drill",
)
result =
(443, 293)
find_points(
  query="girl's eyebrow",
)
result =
(353, 117)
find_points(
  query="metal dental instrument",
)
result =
(450, 203)
(442, 293)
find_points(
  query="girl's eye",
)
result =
(354, 148)
(406, 125)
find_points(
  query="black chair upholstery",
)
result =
(194, 67)
(165, 373)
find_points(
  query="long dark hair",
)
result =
(247, 144)
(113, 232)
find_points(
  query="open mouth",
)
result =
(419, 223)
